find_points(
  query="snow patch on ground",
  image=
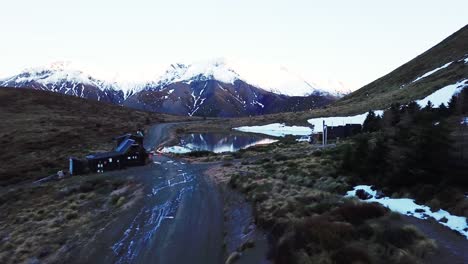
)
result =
(176, 149)
(339, 120)
(443, 95)
(407, 206)
(276, 130)
(432, 72)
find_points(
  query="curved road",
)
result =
(180, 219)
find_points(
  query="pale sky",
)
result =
(354, 42)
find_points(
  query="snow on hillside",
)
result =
(443, 95)
(280, 130)
(407, 206)
(440, 96)
(432, 72)
(339, 120)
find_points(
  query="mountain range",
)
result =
(203, 89)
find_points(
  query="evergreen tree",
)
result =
(391, 116)
(372, 122)
(452, 105)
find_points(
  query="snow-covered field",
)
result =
(281, 130)
(277, 130)
(176, 150)
(443, 95)
(407, 206)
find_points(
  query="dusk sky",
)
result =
(353, 42)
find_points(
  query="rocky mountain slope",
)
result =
(203, 89)
(60, 79)
(216, 91)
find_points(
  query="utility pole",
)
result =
(324, 134)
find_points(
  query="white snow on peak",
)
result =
(443, 95)
(58, 72)
(205, 70)
(432, 72)
(280, 79)
(275, 78)
(268, 76)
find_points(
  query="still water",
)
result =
(217, 142)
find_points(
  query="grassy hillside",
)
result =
(40, 130)
(397, 86)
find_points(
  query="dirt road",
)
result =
(180, 219)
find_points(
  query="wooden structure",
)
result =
(348, 130)
(128, 152)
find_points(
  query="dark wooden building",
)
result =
(128, 152)
(348, 130)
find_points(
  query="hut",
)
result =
(128, 152)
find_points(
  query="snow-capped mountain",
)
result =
(210, 88)
(215, 89)
(60, 78)
(202, 71)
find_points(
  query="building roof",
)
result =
(124, 146)
(103, 155)
(120, 150)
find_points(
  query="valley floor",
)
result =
(284, 201)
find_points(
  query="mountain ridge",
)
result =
(227, 94)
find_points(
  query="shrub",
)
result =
(351, 254)
(400, 237)
(71, 216)
(200, 153)
(280, 157)
(357, 213)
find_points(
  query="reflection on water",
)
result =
(217, 142)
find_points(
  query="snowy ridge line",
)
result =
(408, 207)
(280, 81)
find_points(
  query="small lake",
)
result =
(217, 142)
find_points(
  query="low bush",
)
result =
(357, 213)
(200, 153)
